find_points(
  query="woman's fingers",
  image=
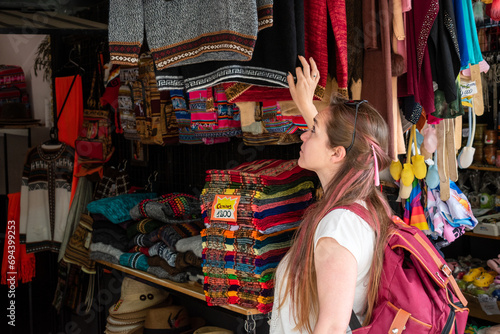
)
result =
(314, 69)
(305, 67)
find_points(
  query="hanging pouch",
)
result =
(93, 144)
(467, 154)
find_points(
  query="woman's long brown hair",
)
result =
(353, 182)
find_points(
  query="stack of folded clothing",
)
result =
(159, 235)
(164, 238)
(250, 213)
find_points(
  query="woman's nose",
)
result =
(305, 135)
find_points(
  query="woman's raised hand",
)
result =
(302, 91)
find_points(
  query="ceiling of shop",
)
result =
(30, 18)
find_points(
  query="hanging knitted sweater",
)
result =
(184, 32)
(45, 197)
(274, 56)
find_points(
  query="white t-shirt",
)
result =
(353, 233)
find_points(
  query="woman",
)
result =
(336, 259)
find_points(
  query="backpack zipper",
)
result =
(449, 323)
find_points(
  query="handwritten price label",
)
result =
(468, 89)
(488, 304)
(225, 207)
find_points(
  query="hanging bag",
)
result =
(94, 138)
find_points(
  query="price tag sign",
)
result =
(224, 208)
(468, 89)
(488, 304)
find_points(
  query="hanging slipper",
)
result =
(477, 98)
(429, 143)
(430, 139)
(466, 155)
(418, 163)
(451, 154)
(494, 264)
(432, 177)
(407, 174)
(395, 169)
(444, 180)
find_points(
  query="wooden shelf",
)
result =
(478, 235)
(192, 290)
(476, 311)
(488, 168)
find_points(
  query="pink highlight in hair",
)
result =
(375, 176)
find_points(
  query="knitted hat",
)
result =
(137, 296)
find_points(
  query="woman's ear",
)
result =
(338, 153)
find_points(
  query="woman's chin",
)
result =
(300, 162)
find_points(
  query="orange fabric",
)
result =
(71, 117)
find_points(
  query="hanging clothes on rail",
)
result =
(224, 30)
(45, 196)
(417, 81)
(274, 56)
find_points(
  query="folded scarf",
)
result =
(164, 252)
(190, 244)
(100, 256)
(162, 273)
(106, 249)
(109, 238)
(157, 261)
(172, 233)
(143, 226)
(135, 261)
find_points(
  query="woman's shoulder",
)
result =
(342, 220)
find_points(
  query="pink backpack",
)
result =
(417, 292)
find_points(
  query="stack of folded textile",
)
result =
(242, 249)
(165, 239)
(158, 235)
